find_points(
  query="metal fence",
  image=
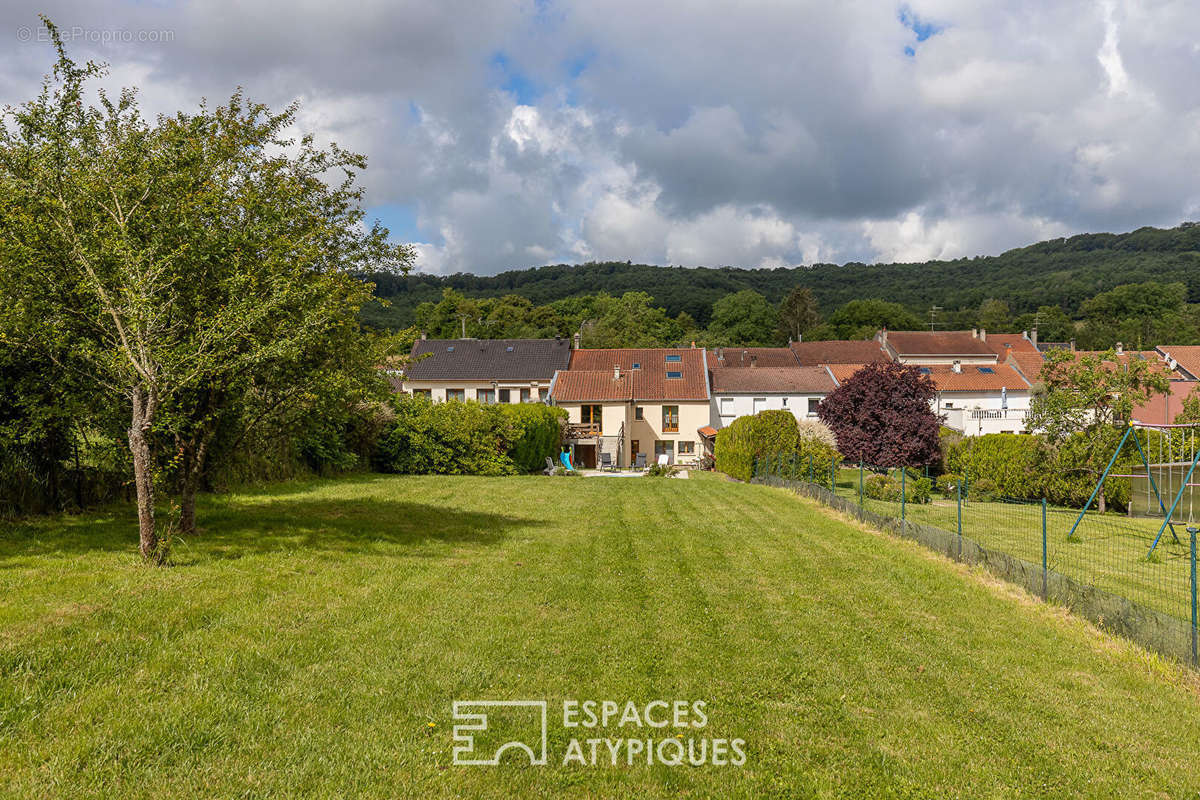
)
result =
(1100, 566)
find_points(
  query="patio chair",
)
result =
(606, 462)
(549, 470)
(639, 463)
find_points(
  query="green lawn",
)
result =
(312, 639)
(1107, 550)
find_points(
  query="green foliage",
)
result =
(662, 471)
(860, 319)
(533, 432)
(743, 318)
(915, 487)
(468, 438)
(772, 437)
(798, 314)
(1030, 467)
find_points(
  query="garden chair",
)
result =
(639, 463)
(549, 470)
(606, 462)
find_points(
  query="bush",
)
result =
(776, 437)
(661, 471)
(917, 489)
(467, 438)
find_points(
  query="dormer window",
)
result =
(671, 374)
(986, 371)
(674, 358)
(450, 349)
(637, 365)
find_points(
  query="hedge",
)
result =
(773, 435)
(468, 438)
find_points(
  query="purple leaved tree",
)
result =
(882, 415)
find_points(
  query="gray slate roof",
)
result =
(488, 359)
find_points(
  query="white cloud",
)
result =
(702, 132)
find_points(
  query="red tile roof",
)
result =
(773, 380)
(1030, 364)
(1004, 343)
(838, 351)
(730, 357)
(590, 375)
(1151, 357)
(1002, 376)
(708, 431)
(936, 343)
(1187, 356)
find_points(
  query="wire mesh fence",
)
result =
(1101, 565)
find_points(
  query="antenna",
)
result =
(933, 317)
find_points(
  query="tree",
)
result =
(744, 319)
(1090, 399)
(197, 267)
(1051, 322)
(1137, 315)
(1190, 413)
(882, 416)
(626, 321)
(860, 319)
(994, 316)
(798, 314)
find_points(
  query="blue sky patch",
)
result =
(921, 27)
(515, 82)
(399, 218)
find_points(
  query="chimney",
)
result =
(616, 372)
(577, 338)
(1072, 345)
(1032, 337)
(745, 353)
(882, 336)
(424, 336)
(754, 361)
(982, 335)
(721, 356)
(1120, 349)
(956, 366)
(974, 333)
(693, 344)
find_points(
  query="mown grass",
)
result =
(1107, 550)
(312, 639)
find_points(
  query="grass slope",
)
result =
(306, 642)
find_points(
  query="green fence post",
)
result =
(860, 481)
(903, 494)
(959, 484)
(1044, 587)
(1195, 653)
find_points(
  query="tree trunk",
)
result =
(143, 477)
(1100, 505)
(187, 502)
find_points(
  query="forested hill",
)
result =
(1063, 272)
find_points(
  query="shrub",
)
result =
(777, 437)
(533, 432)
(917, 489)
(467, 438)
(661, 471)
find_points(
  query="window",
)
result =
(726, 405)
(671, 374)
(986, 371)
(456, 394)
(635, 447)
(450, 349)
(638, 413)
(674, 358)
(925, 370)
(814, 403)
(592, 415)
(508, 349)
(687, 448)
(543, 394)
(426, 393)
(505, 396)
(637, 365)
(662, 448)
(785, 402)
(525, 396)
(758, 404)
(486, 395)
(670, 419)
(949, 405)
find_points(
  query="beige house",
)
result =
(625, 402)
(486, 370)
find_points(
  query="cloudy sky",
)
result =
(512, 134)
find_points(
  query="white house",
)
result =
(741, 392)
(972, 398)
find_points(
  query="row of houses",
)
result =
(672, 401)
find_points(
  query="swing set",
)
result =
(1169, 478)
